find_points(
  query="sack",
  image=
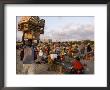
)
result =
(40, 53)
(53, 56)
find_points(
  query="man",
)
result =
(82, 50)
(40, 55)
(22, 54)
(28, 60)
(35, 53)
(89, 50)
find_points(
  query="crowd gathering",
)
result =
(61, 57)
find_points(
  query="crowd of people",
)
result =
(61, 57)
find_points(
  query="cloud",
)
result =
(72, 31)
(69, 31)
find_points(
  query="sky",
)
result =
(64, 28)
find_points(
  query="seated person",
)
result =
(77, 66)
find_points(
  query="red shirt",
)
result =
(77, 64)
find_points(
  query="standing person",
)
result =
(58, 50)
(89, 49)
(28, 61)
(76, 50)
(92, 53)
(62, 56)
(35, 53)
(70, 51)
(20, 63)
(82, 50)
(49, 63)
(53, 58)
(40, 55)
(22, 54)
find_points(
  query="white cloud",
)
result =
(69, 31)
(72, 31)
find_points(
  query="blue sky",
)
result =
(65, 28)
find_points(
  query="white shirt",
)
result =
(53, 56)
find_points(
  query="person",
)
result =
(49, 63)
(28, 60)
(35, 53)
(76, 50)
(82, 50)
(77, 66)
(89, 50)
(19, 62)
(53, 58)
(40, 55)
(62, 56)
(57, 62)
(22, 54)
(92, 53)
(44, 58)
(58, 50)
(70, 52)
